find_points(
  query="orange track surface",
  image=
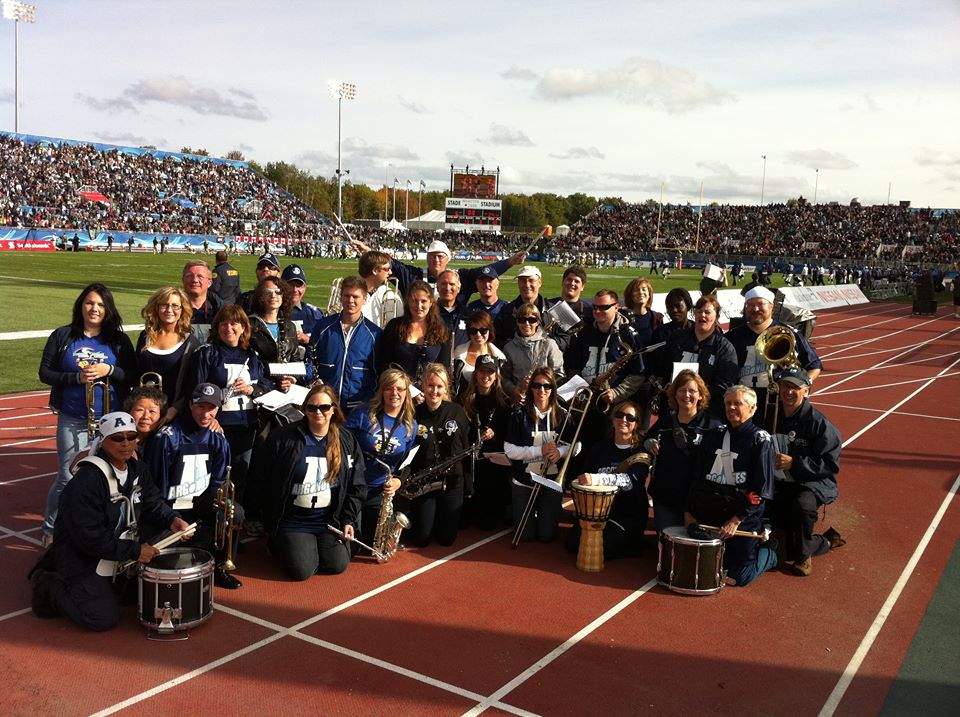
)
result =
(482, 628)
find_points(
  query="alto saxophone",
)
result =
(601, 383)
(390, 524)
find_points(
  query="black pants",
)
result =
(241, 441)
(90, 602)
(306, 554)
(435, 515)
(795, 510)
(369, 513)
(491, 495)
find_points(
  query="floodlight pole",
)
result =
(816, 185)
(656, 244)
(420, 205)
(700, 216)
(395, 182)
(340, 91)
(763, 182)
(406, 214)
(18, 12)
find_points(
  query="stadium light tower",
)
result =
(763, 182)
(340, 91)
(816, 185)
(18, 12)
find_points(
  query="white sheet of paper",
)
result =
(564, 316)
(409, 459)
(566, 391)
(712, 271)
(275, 399)
(291, 368)
(546, 482)
(679, 366)
(414, 391)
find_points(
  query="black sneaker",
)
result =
(41, 597)
(223, 579)
(834, 538)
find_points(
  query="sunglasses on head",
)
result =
(478, 330)
(527, 319)
(542, 386)
(318, 407)
(628, 417)
(123, 437)
(603, 307)
(275, 292)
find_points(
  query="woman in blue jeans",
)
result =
(92, 348)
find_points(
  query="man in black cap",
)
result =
(303, 315)
(188, 464)
(488, 284)
(267, 265)
(226, 280)
(807, 463)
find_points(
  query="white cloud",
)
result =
(359, 147)
(637, 80)
(580, 153)
(819, 159)
(946, 163)
(463, 159)
(518, 73)
(502, 136)
(179, 92)
(414, 107)
(863, 103)
(128, 139)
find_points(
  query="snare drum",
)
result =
(592, 504)
(687, 565)
(176, 589)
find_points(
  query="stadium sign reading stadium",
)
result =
(473, 214)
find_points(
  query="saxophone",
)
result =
(390, 524)
(601, 383)
(424, 482)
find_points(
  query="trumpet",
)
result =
(91, 396)
(224, 505)
(579, 404)
(151, 378)
(778, 347)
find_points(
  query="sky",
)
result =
(753, 100)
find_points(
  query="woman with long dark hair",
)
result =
(91, 349)
(313, 477)
(272, 334)
(419, 337)
(481, 343)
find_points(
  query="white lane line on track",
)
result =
(857, 344)
(854, 329)
(898, 349)
(15, 613)
(15, 534)
(25, 443)
(176, 681)
(52, 451)
(833, 701)
(21, 480)
(28, 415)
(831, 392)
(15, 396)
(559, 650)
(856, 312)
(881, 410)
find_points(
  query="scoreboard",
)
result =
(479, 214)
(474, 186)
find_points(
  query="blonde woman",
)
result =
(314, 478)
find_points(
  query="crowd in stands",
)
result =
(40, 187)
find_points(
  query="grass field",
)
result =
(39, 290)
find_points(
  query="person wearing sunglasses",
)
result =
(530, 349)
(601, 465)
(488, 285)
(481, 343)
(529, 283)
(188, 464)
(676, 441)
(531, 443)
(74, 577)
(313, 478)
(272, 334)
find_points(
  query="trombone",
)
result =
(579, 404)
(151, 378)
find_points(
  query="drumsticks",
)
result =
(762, 537)
(161, 544)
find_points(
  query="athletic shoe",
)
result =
(836, 540)
(804, 567)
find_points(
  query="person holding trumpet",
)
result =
(74, 578)
(89, 353)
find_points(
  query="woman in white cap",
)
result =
(75, 577)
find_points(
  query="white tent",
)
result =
(393, 226)
(432, 220)
(562, 230)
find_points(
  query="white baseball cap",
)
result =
(759, 292)
(530, 270)
(438, 246)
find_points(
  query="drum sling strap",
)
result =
(127, 524)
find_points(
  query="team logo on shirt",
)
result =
(86, 356)
(450, 427)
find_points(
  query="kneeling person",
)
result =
(313, 474)
(91, 534)
(188, 463)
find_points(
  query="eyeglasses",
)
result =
(123, 437)
(478, 330)
(628, 417)
(603, 307)
(527, 320)
(318, 407)
(171, 307)
(541, 386)
(268, 292)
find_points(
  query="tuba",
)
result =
(778, 347)
(91, 396)
(390, 524)
(224, 505)
(580, 405)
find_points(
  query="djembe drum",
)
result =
(592, 504)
